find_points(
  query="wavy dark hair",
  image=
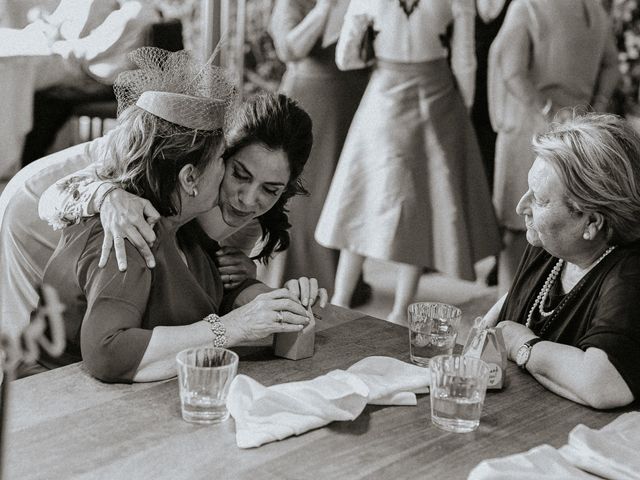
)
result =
(276, 122)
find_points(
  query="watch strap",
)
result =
(532, 342)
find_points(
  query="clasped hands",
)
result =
(282, 310)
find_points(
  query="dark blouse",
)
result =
(604, 312)
(109, 315)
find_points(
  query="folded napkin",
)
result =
(542, 462)
(390, 381)
(266, 414)
(611, 452)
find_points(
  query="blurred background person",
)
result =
(548, 56)
(91, 39)
(409, 186)
(58, 61)
(490, 15)
(305, 33)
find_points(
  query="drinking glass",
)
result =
(204, 375)
(433, 328)
(458, 388)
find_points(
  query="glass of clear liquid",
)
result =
(458, 388)
(205, 375)
(433, 329)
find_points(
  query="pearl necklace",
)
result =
(546, 288)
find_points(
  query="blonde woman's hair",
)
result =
(598, 160)
(147, 163)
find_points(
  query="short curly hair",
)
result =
(598, 160)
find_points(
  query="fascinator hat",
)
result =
(188, 95)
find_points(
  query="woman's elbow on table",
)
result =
(106, 369)
(604, 399)
(108, 362)
(604, 386)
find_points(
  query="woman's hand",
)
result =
(124, 215)
(234, 267)
(271, 312)
(514, 334)
(307, 292)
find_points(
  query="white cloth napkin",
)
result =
(611, 452)
(266, 414)
(390, 381)
(542, 462)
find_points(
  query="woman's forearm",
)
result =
(299, 41)
(70, 198)
(585, 377)
(159, 359)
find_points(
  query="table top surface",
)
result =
(66, 424)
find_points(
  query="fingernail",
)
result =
(121, 268)
(151, 264)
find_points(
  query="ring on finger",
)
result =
(279, 316)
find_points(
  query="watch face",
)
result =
(522, 355)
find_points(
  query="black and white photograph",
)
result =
(320, 239)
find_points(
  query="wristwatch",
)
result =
(522, 356)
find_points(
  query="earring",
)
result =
(586, 235)
(194, 192)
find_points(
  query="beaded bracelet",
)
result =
(218, 329)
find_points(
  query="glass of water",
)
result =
(458, 388)
(433, 328)
(204, 375)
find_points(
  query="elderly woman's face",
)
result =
(254, 180)
(550, 224)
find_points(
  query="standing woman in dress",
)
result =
(331, 98)
(410, 187)
(489, 19)
(548, 56)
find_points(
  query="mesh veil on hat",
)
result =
(189, 95)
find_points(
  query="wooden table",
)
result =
(65, 424)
